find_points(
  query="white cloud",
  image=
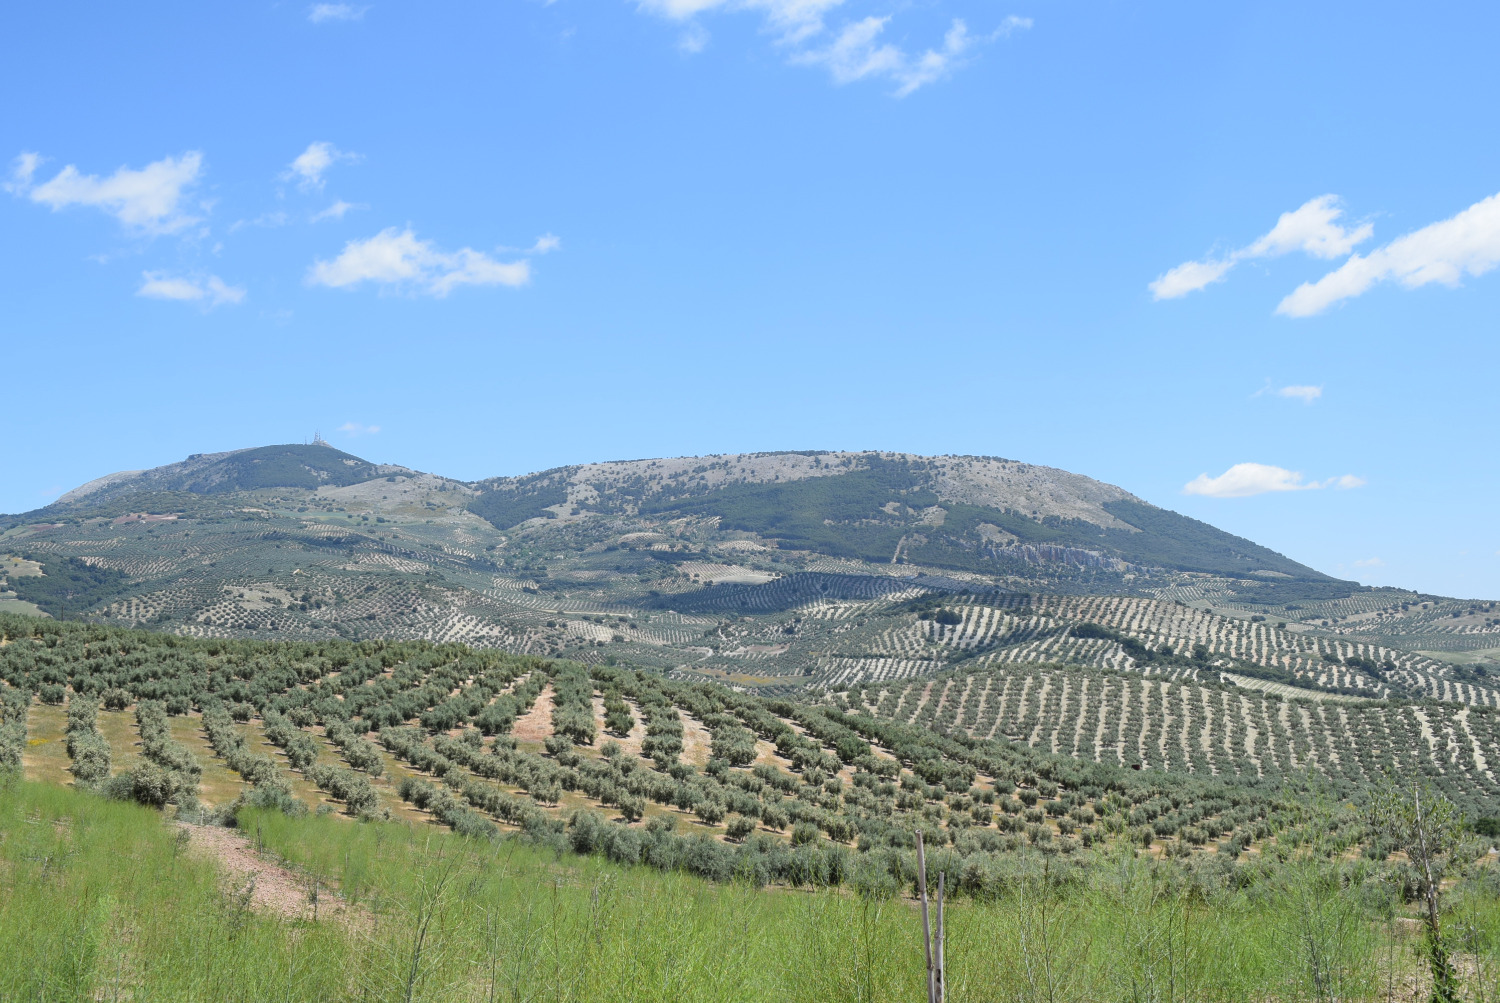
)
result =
(270, 220)
(355, 429)
(336, 211)
(321, 12)
(309, 166)
(1189, 277)
(857, 54)
(545, 243)
(1370, 562)
(1246, 479)
(693, 40)
(1311, 228)
(854, 52)
(24, 166)
(209, 290)
(1443, 252)
(149, 200)
(1305, 394)
(398, 258)
(792, 20)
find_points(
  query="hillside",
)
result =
(290, 466)
(971, 513)
(770, 571)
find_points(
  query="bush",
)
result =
(740, 827)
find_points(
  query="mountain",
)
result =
(767, 570)
(291, 466)
(974, 513)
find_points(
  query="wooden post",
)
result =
(941, 987)
(926, 924)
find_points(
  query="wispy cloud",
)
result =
(309, 166)
(336, 211)
(1444, 252)
(269, 220)
(354, 429)
(1312, 228)
(1302, 392)
(1305, 394)
(855, 51)
(148, 200)
(322, 13)
(790, 20)
(23, 168)
(399, 259)
(545, 243)
(1370, 562)
(208, 290)
(857, 54)
(694, 39)
(1246, 479)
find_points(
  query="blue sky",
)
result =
(1236, 258)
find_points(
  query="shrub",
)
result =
(740, 827)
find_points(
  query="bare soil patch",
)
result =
(697, 744)
(631, 743)
(536, 724)
(271, 887)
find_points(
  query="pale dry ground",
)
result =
(303, 789)
(726, 574)
(270, 887)
(118, 729)
(44, 756)
(696, 741)
(15, 567)
(629, 744)
(536, 724)
(391, 774)
(989, 481)
(219, 785)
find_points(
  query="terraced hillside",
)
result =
(477, 739)
(1039, 759)
(1181, 721)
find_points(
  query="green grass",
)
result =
(97, 903)
(21, 607)
(129, 916)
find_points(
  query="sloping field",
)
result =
(1202, 726)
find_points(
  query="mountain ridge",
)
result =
(769, 570)
(975, 513)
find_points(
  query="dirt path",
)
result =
(268, 886)
(536, 724)
(697, 744)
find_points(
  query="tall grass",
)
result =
(98, 902)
